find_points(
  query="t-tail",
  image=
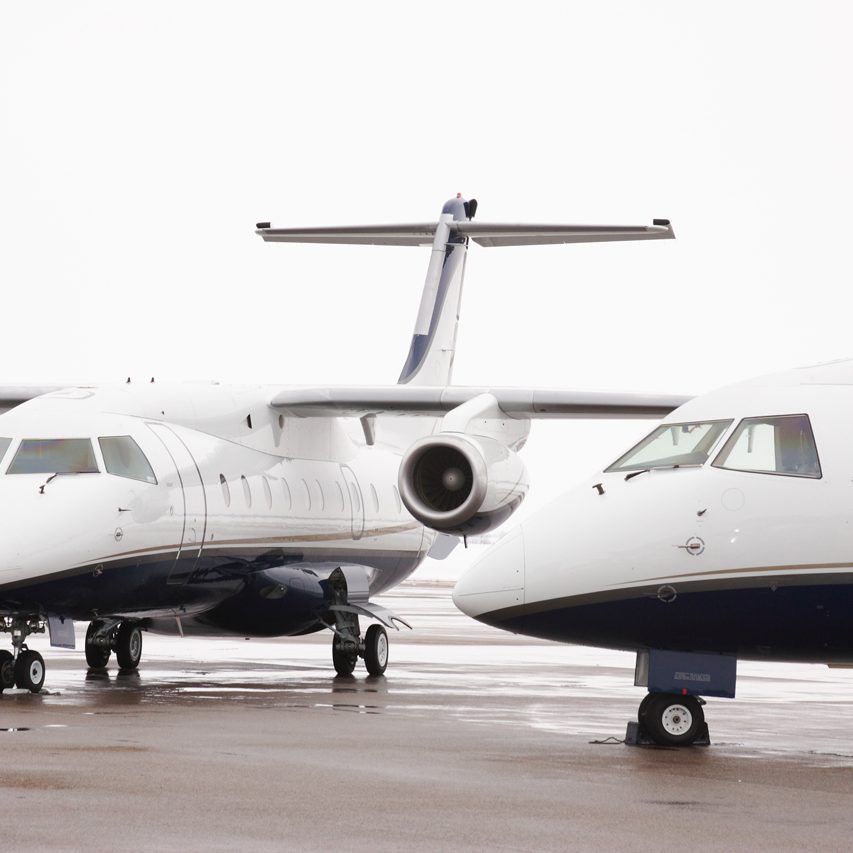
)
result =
(430, 359)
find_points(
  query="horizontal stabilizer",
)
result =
(405, 400)
(510, 234)
(539, 235)
(421, 234)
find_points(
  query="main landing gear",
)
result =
(348, 598)
(25, 667)
(104, 636)
(347, 647)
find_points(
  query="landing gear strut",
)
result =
(105, 636)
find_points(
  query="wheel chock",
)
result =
(636, 735)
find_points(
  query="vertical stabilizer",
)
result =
(430, 359)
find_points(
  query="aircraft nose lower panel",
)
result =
(496, 581)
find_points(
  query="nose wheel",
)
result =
(669, 719)
(25, 667)
(29, 671)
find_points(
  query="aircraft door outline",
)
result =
(194, 503)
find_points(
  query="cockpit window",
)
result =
(4, 446)
(54, 456)
(772, 445)
(673, 446)
(124, 458)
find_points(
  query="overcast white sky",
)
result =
(139, 144)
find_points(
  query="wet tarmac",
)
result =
(474, 740)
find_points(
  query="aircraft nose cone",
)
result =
(496, 580)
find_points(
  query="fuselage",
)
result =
(741, 545)
(234, 526)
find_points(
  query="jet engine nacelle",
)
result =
(461, 484)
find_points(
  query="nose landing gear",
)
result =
(671, 714)
(25, 667)
(669, 719)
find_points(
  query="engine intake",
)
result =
(460, 483)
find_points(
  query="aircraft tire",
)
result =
(29, 671)
(376, 650)
(7, 670)
(643, 705)
(128, 645)
(344, 659)
(97, 656)
(670, 719)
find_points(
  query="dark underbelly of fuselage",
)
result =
(808, 623)
(259, 593)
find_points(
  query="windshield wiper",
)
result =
(53, 477)
(657, 468)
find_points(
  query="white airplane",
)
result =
(725, 534)
(260, 511)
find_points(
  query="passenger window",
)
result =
(322, 495)
(54, 456)
(4, 446)
(340, 497)
(307, 496)
(285, 490)
(267, 492)
(124, 458)
(247, 491)
(226, 491)
(772, 445)
(375, 498)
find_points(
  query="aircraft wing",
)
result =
(14, 395)
(406, 400)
